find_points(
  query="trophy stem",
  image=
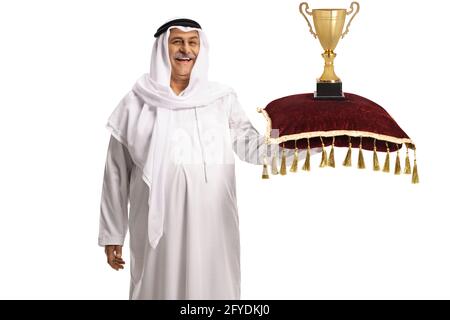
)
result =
(328, 74)
(329, 86)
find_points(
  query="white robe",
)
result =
(198, 256)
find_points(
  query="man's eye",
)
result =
(193, 43)
(176, 42)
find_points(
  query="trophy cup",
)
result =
(329, 24)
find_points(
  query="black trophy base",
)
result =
(329, 90)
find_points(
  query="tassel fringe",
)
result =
(386, 167)
(376, 164)
(295, 161)
(274, 165)
(283, 162)
(324, 161)
(361, 164)
(348, 157)
(398, 168)
(331, 162)
(307, 164)
(415, 173)
(407, 163)
(265, 173)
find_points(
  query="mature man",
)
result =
(171, 157)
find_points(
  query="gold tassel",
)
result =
(415, 174)
(274, 165)
(361, 164)
(348, 157)
(307, 165)
(283, 162)
(265, 174)
(376, 164)
(407, 162)
(331, 158)
(295, 161)
(324, 161)
(387, 161)
(398, 168)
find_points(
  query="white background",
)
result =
(328, 234)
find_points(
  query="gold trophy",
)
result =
(329, 24)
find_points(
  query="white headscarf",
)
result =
(145, 135)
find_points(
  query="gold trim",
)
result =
(333, 133)
(328, 81)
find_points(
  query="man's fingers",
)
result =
(115, 267)
(118, 250)
(116, 264)
(109, 250)
(114, 256)
(118, 261)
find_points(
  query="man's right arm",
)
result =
(115, 197)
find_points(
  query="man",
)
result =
(171, 156)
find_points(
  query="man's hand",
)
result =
(114, 256)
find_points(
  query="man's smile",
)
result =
(184, 61)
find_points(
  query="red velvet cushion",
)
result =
(353, 117)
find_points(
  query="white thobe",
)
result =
(198, 256)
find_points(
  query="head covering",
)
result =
(177, 22)
(143, 119)
(155, 88)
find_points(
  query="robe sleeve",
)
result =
(115, 195)
(248, 144)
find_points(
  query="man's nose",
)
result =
(184, 48)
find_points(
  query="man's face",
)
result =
(183, 51)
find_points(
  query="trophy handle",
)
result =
(304, 7)
(348, 13)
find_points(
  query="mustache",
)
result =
(180, 55)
